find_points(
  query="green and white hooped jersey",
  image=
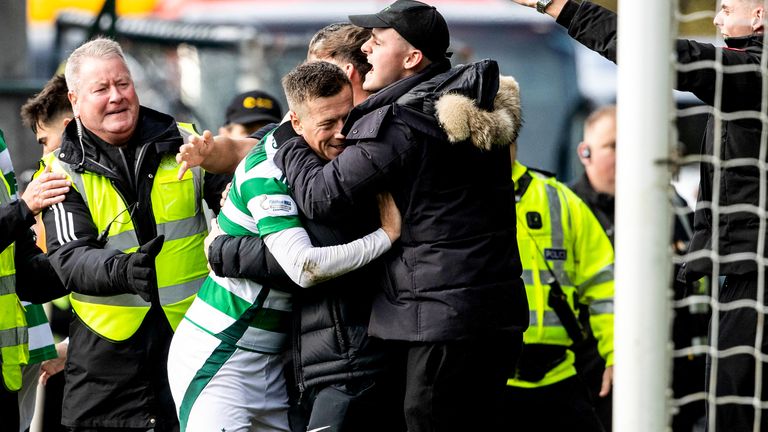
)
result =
(240, 311)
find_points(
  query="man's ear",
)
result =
(73, 99)
(758, 17)
(584, 153)
(413, 59)
(65, 121)
(296, 122)
(349, 70)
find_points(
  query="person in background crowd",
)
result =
(246, 113)
(47, 114)
(597, 152)
(597, 187)
(127, 241)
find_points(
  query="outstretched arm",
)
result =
(219, 154)
(552, 10)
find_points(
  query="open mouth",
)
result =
(120, 111)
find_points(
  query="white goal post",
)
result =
(643, 215)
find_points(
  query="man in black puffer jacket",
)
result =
(737, 89)
(451, 300)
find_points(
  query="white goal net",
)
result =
(713, 329)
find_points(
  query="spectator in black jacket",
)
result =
(450, 300)
(741, 23)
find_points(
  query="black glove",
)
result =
(141, 269)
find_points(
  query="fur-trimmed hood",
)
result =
(462, 119)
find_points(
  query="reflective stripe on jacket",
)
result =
(557, 231)
(181, 266)
(13, 324)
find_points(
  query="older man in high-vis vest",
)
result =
(127, 241)
(25, 273)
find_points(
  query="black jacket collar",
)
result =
(747, 43)
(153, 127)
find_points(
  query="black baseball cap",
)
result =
(418, 23)
(253, 106)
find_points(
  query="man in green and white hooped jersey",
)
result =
(226, 358)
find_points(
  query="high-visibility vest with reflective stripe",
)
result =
(553, 224)
(181, 266)
(14, 352)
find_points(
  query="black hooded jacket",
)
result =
(455, 272)
(739, 185)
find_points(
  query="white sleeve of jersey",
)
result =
(307, 265)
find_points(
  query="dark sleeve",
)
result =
(248, 257)
(81, 262)
(595, 27)
(328, 191)
(36, 281)
(259, 134)
(213, 186)
(15, 221)
(740, 91)
(591, 25)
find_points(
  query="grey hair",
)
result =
(97, 48)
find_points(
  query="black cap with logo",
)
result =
(253, 106)
(418, 23)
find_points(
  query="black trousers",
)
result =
(736, 373)
(361, 404)
(9, 410)
(563, 406)
(458, 385)
(590, 367)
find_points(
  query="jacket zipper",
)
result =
(296, 354)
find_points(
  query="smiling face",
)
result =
(388, 54)
(105, 99)
(738, 18)
(320, 120)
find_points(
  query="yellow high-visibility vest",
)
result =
(14, 337)
(181, 266)
(557, 231)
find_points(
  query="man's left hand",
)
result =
(215, 232)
